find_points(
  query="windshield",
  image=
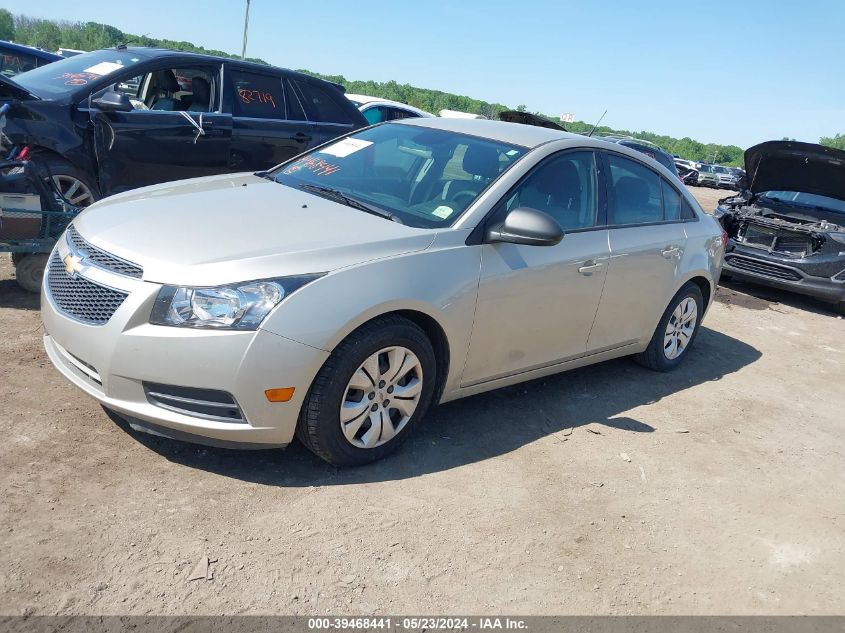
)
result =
(720, 170)
(807, 200)
(423, 177)
(69, 75)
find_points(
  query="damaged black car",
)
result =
(786, 229)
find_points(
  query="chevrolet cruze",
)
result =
(339, 295)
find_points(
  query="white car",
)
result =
(377, 110)
(340, 294)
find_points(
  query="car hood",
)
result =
(794, 166)
(224, 229)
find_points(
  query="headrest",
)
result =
(481, 160)
(167, 81)
(201, 89)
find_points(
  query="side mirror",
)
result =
(525, 225)
(112, 101)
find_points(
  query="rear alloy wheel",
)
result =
(675, 332)
(370, 393)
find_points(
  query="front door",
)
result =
(536, 304)
(176, 130)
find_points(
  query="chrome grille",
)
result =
(80, 298)
(101, 258)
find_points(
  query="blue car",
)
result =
(19, 59)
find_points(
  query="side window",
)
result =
(376, 114)
(257, 96)
(295, 110)
(634, 193)
(319, 103)
(564, 187)
(395, 114)
(686, 211)
(671, 201)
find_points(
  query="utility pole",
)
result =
(246, 29)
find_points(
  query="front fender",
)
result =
(441, 283)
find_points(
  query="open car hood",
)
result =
(526, 118)
(794, 166)
(10, 90)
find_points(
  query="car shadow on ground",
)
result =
(13, 296)
(486, 425)
(755, 296)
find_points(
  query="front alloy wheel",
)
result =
(381, 397)
(370, 393)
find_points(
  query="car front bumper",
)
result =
(116, 362)
(795, 275)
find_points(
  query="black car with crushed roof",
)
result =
(116, 119)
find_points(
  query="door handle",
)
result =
(589, 268)
(671, 252)
(301, 137)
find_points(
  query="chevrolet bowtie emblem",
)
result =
(73, 264)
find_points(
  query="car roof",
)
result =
(30, 50)
(367, 100)
(512, 133)
(153, 53)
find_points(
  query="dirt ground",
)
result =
(717, 489)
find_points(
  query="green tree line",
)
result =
(88, 36)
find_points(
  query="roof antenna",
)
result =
(596, 125)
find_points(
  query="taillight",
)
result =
(724, 238)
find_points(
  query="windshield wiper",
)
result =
(341, 197)
(265, 174)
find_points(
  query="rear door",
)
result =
(167, 136)
(647, 242)
(269, 124)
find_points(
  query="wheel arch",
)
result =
(426, 322)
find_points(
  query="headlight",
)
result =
(837, 237)
(237, 306)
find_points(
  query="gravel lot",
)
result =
(716, 489)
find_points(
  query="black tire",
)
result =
(29, 271)
(61, 170)
(319, 426)
(654, 356)
(16, 257)
(840, 308)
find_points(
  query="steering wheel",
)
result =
(469, 195)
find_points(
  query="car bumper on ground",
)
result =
(781, 272)
(201, 385)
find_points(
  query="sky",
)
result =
(725, 72)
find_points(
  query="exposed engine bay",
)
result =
(777, 227)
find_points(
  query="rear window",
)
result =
(319, 103)
(257, 96)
